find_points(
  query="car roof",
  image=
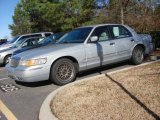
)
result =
(97, 25)
(35, 33)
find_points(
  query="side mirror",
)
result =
(94, 39)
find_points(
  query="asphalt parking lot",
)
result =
(24, 99)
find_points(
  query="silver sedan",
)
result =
(81, 49)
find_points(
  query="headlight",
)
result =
(33, 62)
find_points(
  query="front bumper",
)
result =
(28, 74)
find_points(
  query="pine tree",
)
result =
(50, 15)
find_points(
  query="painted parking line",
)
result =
(4, 78)
(8, 114)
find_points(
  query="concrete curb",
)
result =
(45, 111)
(124, 69)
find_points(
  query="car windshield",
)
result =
(52, 38)
(75, 36)
(13, 39)
(18, 43)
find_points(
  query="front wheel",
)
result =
(6, 59)
(137, 55)
(63, 71)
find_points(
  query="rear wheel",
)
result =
(6, 59)
(137, 55)
(63, 71)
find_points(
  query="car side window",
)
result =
(102, 33)
(120, 32)
(25, 44)
(36, 35)
(47, 34)
(29, 42)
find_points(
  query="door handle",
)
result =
(132, 40)
(112, 43)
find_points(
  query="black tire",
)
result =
(137, 55)
(6, 59)
(63, 72)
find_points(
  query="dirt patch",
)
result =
(128, 95)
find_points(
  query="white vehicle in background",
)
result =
(7, 53)
(17, 38)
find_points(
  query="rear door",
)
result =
(124, 41)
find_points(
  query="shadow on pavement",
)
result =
(1, 65)
(34, 84)
(156, 117)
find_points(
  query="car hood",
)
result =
(7, 50)
(31, 47)
(27, 48)
(47, 50)
(5, 46)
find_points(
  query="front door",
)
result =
(101, 52)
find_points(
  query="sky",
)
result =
(6, 12)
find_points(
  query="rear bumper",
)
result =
(30, 74)
(149, 49)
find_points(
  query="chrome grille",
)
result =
(14, 61)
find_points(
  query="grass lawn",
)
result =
(129, 95)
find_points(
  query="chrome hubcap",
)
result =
(64, 71)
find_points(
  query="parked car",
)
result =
(17, 38)
(6, 53)
(48, 40)
(81, 49)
